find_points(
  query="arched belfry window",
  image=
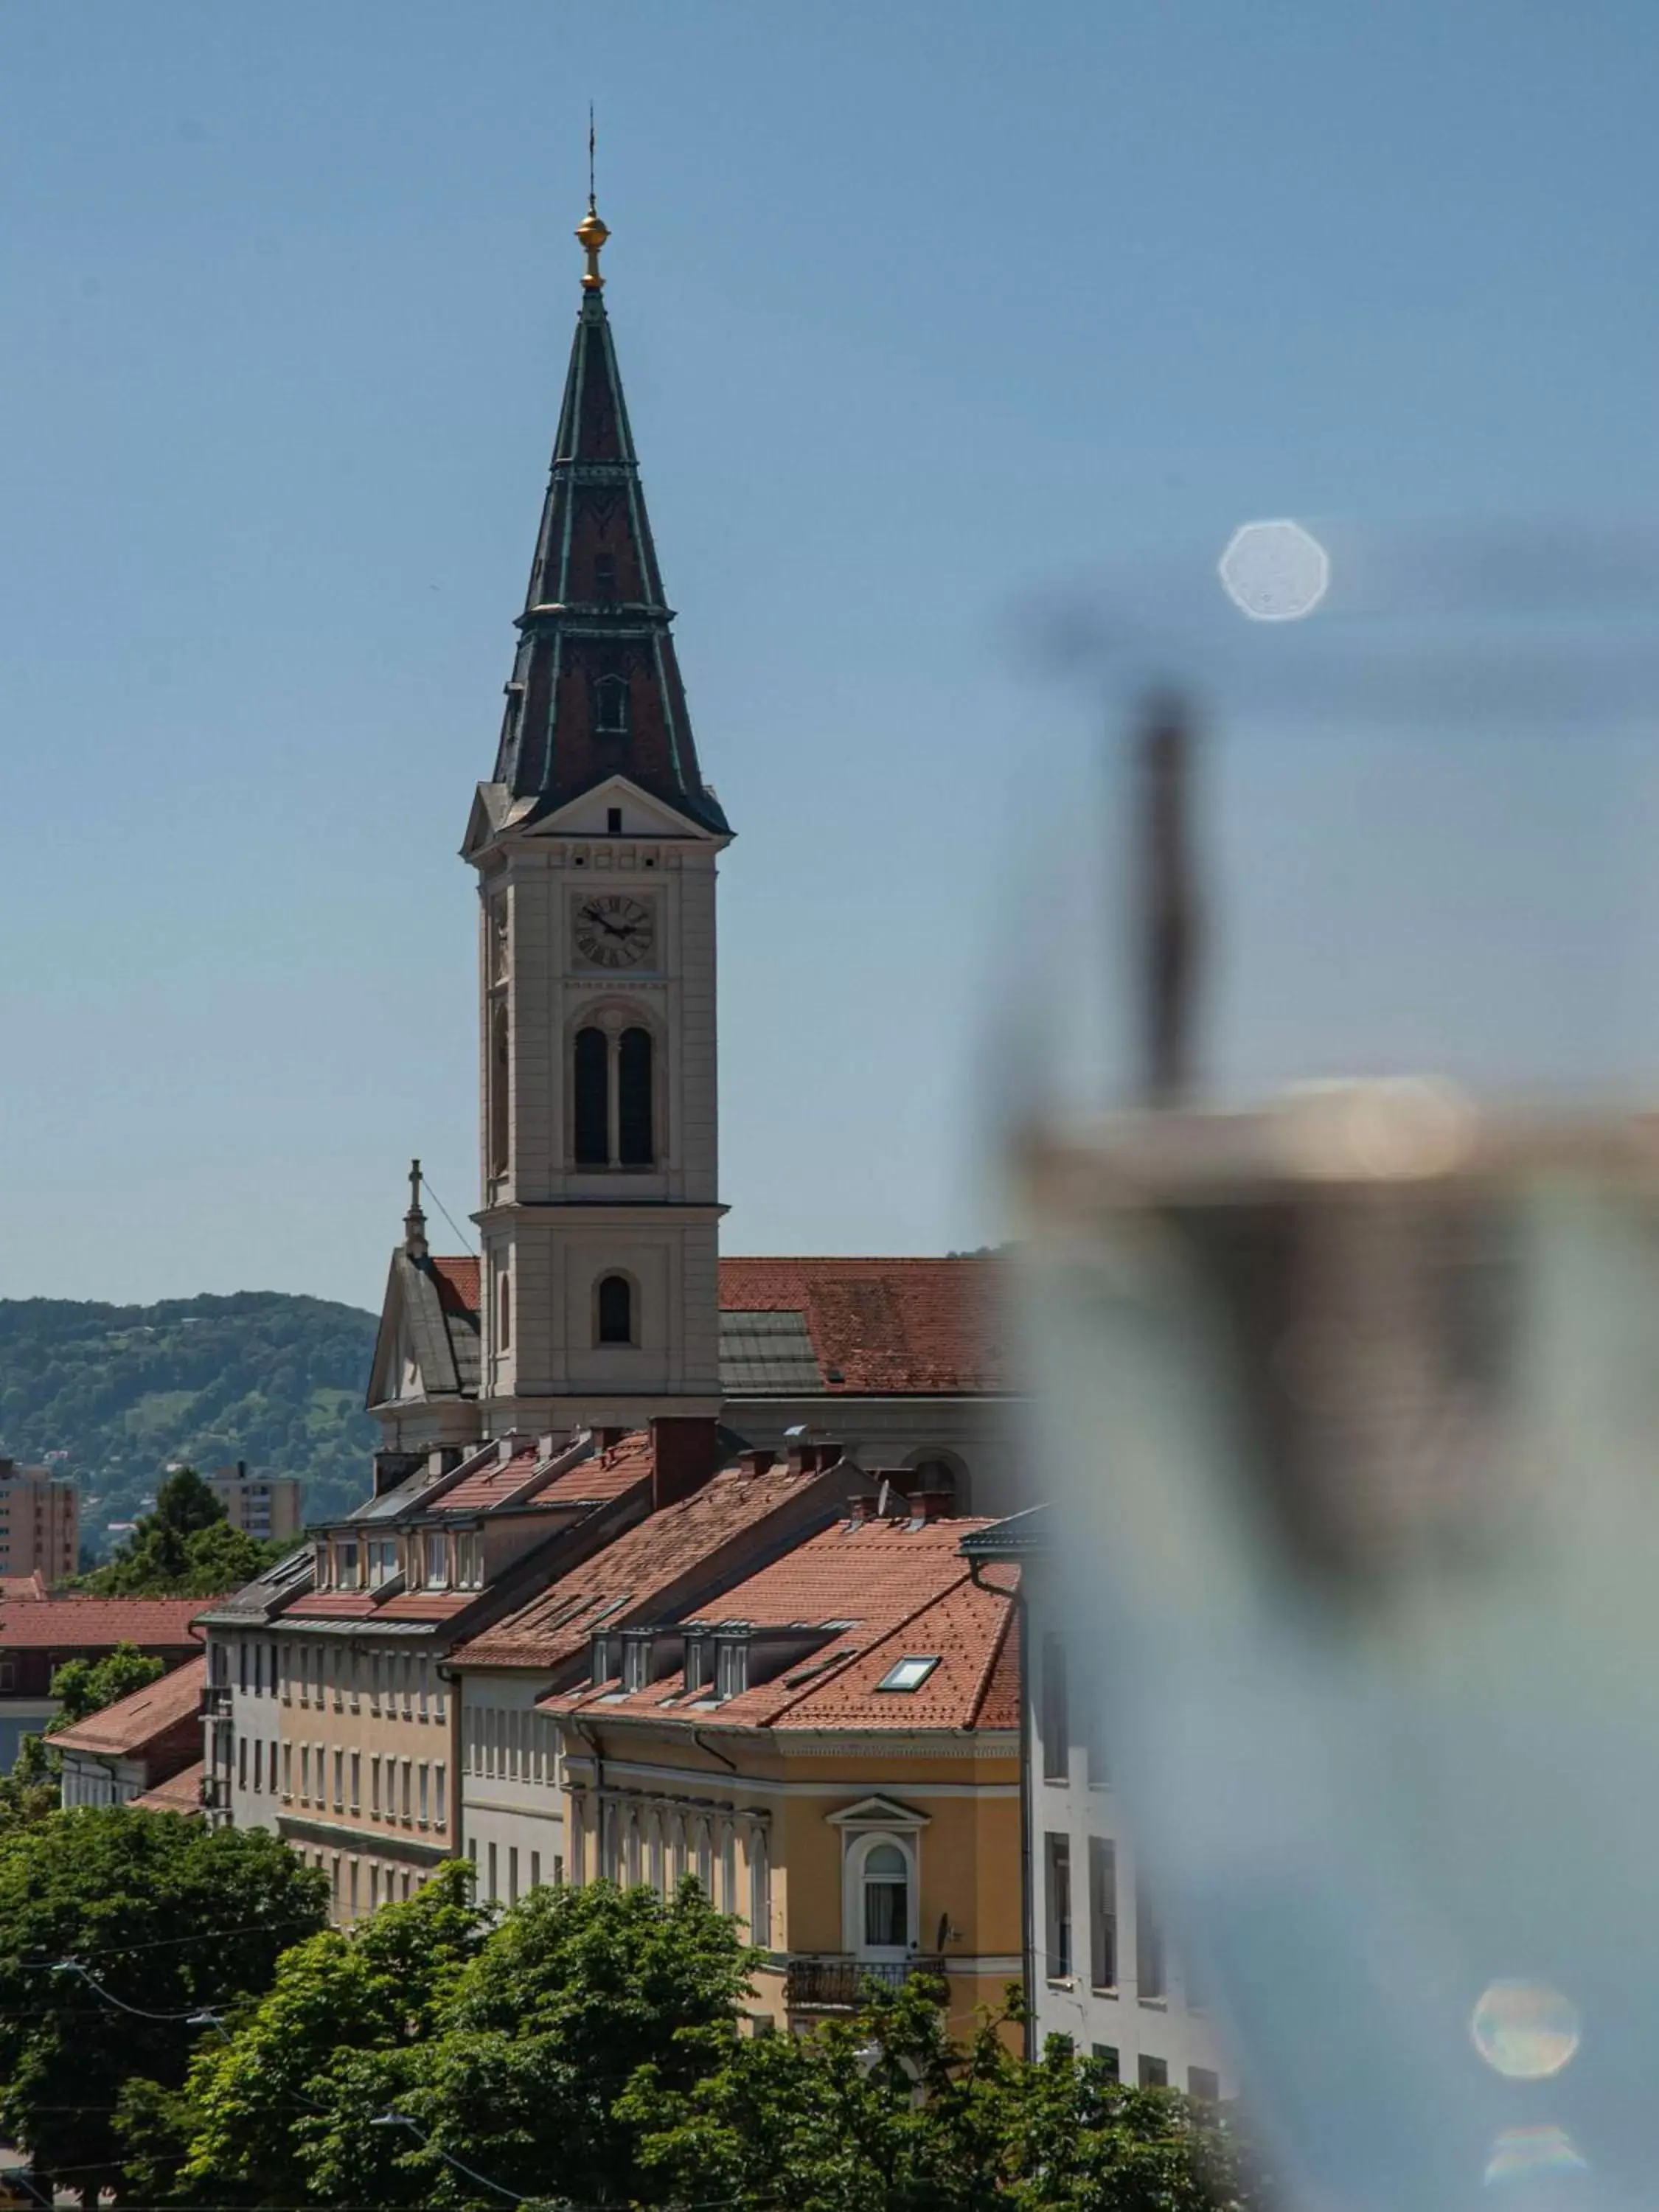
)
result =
(499, 1095)
(614, 1097)
(611, 707)
(614, 1320)
(593, 1098)
(634, 1145)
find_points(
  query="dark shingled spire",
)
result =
(596, 687)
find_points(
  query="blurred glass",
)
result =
(1346, 1349)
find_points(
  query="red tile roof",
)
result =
(13, 1586)
(133, 1721)
(180, 1793)
(884, 1327)
(879, 1327)
(457, 1283)
(629, 1575)
(892, 1589)
(99, 1624)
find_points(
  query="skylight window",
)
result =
(908, 1674)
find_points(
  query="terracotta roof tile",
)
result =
(645, 1561)
(132, 1722)
(890, 1590)
(17, 1588)
(98, 1624)
(457, 1283)
(884, 1327)
(595, 1481)
(878, 1327)
(179, 1793)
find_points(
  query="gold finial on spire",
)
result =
(591, 233)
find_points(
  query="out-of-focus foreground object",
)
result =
(1346, 1378)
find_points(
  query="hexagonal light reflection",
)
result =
(1274, 571)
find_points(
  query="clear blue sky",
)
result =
(924, 312)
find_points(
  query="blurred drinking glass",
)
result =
(1337, 1176)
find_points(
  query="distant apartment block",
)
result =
(39, 1523)
(262, 1506)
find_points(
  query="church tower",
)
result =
(596, 843)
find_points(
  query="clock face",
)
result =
(613, 931)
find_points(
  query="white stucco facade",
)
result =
(1103, 1972)
(512, 1808)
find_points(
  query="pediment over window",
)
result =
(879, 1813)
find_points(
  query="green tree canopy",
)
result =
(87, 1685)
(184, 1548)
(167, 1918)
(885, 2113)
(584, 2050)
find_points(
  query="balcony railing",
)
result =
(837, 1984)
(215, 1698)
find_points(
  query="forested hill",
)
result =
(122, 1390)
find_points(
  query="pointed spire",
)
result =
(414, 1243)
(595, 688)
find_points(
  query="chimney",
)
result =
(684, 1453)
(808, 1455)
(759, 1459)
(608, 1439)
(391, 1468)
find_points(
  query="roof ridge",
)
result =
(993, 1658)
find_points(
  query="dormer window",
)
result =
(731, 1668)
(699, 1658)
(325, 1568)
(382, 1561)
(346, 1576)
(611, 707)
(437, 1559)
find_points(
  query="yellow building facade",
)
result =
(835, 1759)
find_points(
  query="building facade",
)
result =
(832, 1748)
(330, 1711)
(116, 1757)
(1100, 1965)
(266, 1507)
(40, 1523)
(39, 1635)
(687, 1552)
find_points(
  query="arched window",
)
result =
(616, 1315)
(611, 707)
(635, 1147)
(499, 1099)
(593, 1098)
(615, 1097)
(886, 1884)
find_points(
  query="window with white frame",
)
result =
(885, 1898)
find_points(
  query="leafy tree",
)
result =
(885, 2114)
(30, 1791)
(509, 2052)
(185, 1548)
(87, 1685)
(583, 2049)
(242, 2126)
(165, 1916)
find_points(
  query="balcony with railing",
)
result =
(835, 1981)
(215, 1699)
